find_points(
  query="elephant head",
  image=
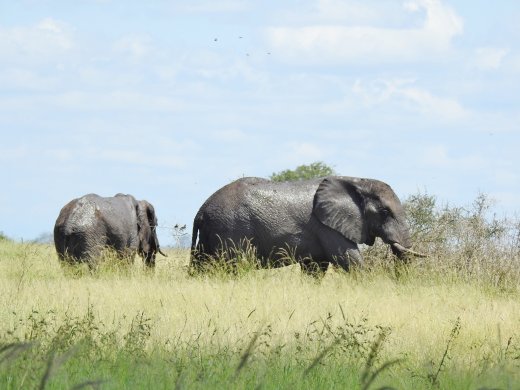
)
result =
(146, 227)
(361, 210)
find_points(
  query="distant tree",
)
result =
(44, 238)
(3, 237)
(303, 172)
(181, 236)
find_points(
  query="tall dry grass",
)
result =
(456, 311)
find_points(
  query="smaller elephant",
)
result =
(87, 225)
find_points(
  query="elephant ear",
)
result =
(146, 224)
(339, 204)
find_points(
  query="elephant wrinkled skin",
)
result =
(321, 221)
(87, 225)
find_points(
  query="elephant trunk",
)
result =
(161, 252)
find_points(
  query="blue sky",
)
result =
(170, 100)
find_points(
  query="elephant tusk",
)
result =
(162, 253)
(401, 248)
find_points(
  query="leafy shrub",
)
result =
(466, 231)
(304, 172)
(472, 241)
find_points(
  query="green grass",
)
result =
(124, 327)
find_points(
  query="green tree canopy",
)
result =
(303, 172)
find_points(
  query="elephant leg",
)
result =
(348, 258)
(341, 251)
(94, 252)
(314, 268)
(197, 260)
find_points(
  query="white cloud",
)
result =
(333, 44)
(137, 47)
(26, 79)
(84, 101)
(231, 135)
(51, 25)
(139, 146)
(13, 153)
(136, 157)
(167, 73)
(219, 68)
(349, 11)
(426, 103)
(412, 6)
(305, 152)
(514, 62)
(439, 156)
(406, 94)
(46, 41)
(210, 6)
(60, 154)
(490, 58)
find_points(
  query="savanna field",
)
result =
(448, 321)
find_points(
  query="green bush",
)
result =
(472, 241)
(304, 172)
(460, 230)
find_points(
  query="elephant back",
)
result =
(79, 215)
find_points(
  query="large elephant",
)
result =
(88, 224)
(320, 221)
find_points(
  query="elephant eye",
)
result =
(384, 212)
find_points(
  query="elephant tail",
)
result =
(195, 254)
(196, 228)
